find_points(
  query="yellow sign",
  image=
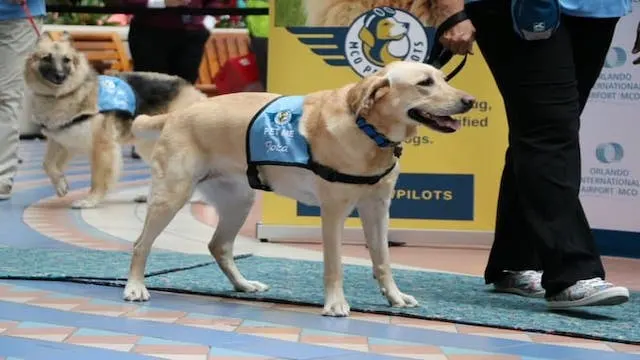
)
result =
(447, 181)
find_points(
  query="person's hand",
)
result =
(176, 3)
(459, 39)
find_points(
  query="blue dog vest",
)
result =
(274, 135)
(274, 138)
(114, 94)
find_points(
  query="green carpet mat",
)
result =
(446, 297)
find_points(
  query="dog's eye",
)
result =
(66, 60)
(426, 82)
(47, 58)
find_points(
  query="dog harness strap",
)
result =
(254, 179)
(332, 175)
(76, 120)
(371, 131)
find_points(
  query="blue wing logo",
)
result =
(374, 39)
(326, 42)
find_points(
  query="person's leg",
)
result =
(513, 265)
(537, 80)
(190, 46)
(17, 38)
(149, 48)
(591, 40)
(260, 47)
(149, 51)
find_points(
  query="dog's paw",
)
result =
(62, 187)
(87, 203)
(140, 199)
(135, 291)
(251, 286)
(399, 299)
(336, 308)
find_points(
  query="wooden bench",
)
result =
(218, 49)
(107, 54)
(105, 51)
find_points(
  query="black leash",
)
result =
(439, 56)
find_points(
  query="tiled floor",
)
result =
(50, 320)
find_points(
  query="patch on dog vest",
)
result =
(115, 94)
(274, 137)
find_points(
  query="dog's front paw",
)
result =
(251, 286)
(88, 203)
(399, 299)
(135, 291)
(62, 187)
(337, 308)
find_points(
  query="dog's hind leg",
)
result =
(232, 198)
(170, 190)
(374, 214)
(55, 160)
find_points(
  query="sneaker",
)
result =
(5, 192)
(592, 292)
(524, 283)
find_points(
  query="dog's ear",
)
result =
(367, 37)
(364, 94)
(45, 36)
(66, 36)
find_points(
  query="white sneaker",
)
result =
(592, 292)
(5, 192)
(524, 283)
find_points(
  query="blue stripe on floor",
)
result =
(203, 305)
(39, 349)
(19, 234)
(216, 338)
(73, 172)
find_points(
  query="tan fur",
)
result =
(101, 136)
(344, 12)
(204, 146)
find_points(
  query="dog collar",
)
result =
(371, 131)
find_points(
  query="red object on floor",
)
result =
(238, 74)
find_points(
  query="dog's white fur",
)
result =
(203, 146)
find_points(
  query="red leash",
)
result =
(27, 12)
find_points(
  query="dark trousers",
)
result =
(174, 52)
(260, 47)
(545, 84)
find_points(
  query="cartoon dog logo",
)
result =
(374, 39)
(380, 31)
(384, 35)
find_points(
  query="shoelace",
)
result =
(594, 281)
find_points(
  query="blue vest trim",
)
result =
(274, 138)
(115, 94)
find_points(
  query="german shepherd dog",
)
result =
(81, 112)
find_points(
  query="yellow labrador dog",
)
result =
(336, 149)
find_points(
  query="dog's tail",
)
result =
(148, 127)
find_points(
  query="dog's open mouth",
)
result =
(445, 124)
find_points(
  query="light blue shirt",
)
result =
(592, 8)
(10, 11)
(596, 8)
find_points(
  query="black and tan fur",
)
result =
(64, 90)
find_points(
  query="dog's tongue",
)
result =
(449, 122)
(446, 121)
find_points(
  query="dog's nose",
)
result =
(468, 101)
